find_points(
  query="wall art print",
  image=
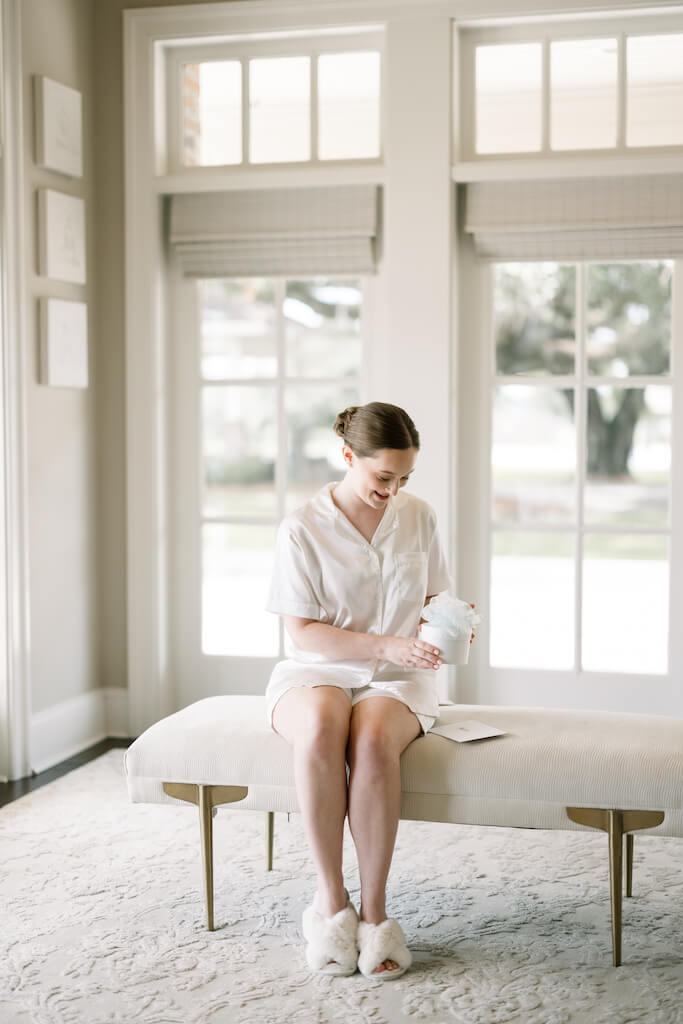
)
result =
(61, 220)
(58, 127)
(63, 343)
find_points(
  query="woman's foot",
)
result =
(377, 918)
(381, 945)
(332, 946)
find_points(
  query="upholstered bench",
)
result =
(553, 769)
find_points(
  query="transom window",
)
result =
(580, 466)
(299, 99)
(546, 91)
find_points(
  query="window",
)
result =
(581, 455)
(278, 360)
(554, 92)
(269, 101)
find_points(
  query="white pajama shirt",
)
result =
(326, 570)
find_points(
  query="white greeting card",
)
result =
(470, 729)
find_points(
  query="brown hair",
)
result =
(368, 428)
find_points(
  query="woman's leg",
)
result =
(315, 721)
(381, 729)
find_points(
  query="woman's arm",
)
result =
(344, 644)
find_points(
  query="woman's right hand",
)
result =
(410, 652)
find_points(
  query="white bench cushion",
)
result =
(550, 759)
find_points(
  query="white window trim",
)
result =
(15, 677)
(426, 226)
(146, 32)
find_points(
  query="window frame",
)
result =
(590, 688)
(310, 44)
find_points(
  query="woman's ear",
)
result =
(347, 453)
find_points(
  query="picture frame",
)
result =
(61, 219)
(58, 122)
(63, 343)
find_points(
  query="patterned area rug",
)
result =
(102, 921)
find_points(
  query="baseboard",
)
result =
(74, 725)
(116, 711)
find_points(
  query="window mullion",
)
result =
(246, 124)
(581, 441)
(621, 91)
(281, 460)
(314, 107)
(545, 96)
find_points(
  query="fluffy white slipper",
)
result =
(332, 938)
(380, 942)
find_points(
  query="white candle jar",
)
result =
(455, 650)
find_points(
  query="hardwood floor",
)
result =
(10, 791)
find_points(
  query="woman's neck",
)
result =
(360, 515)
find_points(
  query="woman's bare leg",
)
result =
(381, 729)
(315, 721)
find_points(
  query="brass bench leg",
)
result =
(616, 824)
(206, 798)
(206, 832)
(270, 834)
(629, 864)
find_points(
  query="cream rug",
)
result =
(101, 920)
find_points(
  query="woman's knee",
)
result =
(372, 743)
(316, 718)
(377, 737)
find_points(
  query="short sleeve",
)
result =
(291, 589)
(438, 576)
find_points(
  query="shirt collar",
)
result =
(389, 520)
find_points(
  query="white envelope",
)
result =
(468, 730)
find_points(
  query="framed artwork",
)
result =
(61, 231)
(63, 343)
(58, 127)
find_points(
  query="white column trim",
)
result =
(150, 697)
(15, 641)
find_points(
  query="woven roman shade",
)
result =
(321, 230)
(577, 219)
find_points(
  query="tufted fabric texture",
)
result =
(379, 942)
(331, 939)
(102, 923)
(549, 759)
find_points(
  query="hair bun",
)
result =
(341, 424)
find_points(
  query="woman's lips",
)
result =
(382, 497)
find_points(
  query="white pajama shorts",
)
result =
(411, 692)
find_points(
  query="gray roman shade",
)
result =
(321, 230)
(587, 218)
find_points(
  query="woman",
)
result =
(354, 568)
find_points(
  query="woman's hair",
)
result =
(367, 428)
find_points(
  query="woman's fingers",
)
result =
(427, 655)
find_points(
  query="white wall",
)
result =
(57, 41)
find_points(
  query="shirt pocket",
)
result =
(411, 569)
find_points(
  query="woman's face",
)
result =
(376, 477)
